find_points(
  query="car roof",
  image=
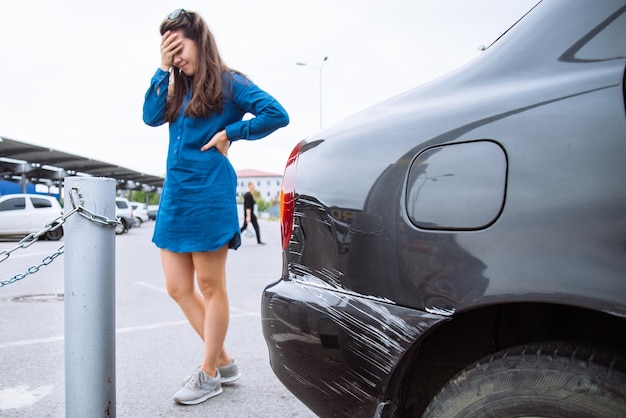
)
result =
(27, 195)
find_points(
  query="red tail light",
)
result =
(287, 196)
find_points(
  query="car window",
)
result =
(13, 204)
(40, 203)
(121, 204)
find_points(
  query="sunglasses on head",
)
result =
(176, 14)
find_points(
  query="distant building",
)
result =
(267, 184)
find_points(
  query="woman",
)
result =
(204, 102)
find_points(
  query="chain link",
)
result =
(34, 269)
(30, 239)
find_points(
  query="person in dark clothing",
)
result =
(248, 213)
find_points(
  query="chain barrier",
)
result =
(30, 239)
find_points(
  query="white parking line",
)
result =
(235, 313)
(30, 342)
(117, 331)
(22, 396)
(238, 312)
(151, 286)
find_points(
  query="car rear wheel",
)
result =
(54, 235)
(554, 380)
(120, 227)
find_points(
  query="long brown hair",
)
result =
(211, 72)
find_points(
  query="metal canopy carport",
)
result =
(41, 165)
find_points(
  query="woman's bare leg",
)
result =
(179, 282)
(211, 276)
(179, 273)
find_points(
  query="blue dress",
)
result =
(198, 206)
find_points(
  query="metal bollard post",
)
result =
(90, 300)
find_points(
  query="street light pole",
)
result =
(319, 68)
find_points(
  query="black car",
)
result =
(461, 249)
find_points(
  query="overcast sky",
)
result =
(74, 73)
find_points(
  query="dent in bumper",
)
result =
(335, 351)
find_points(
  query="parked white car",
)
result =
(23, 214)
(123, 211)
(140, 212)
(152, 211)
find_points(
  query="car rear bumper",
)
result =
(130, 221)
(324, 345)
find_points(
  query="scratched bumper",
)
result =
(337, 352)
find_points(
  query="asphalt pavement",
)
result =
(155, 346)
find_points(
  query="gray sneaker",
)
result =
(198, 388)
(229, 373)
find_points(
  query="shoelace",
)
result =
(195, 378)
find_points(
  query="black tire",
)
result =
(548, 380)
(54, 235)
(120, 228)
